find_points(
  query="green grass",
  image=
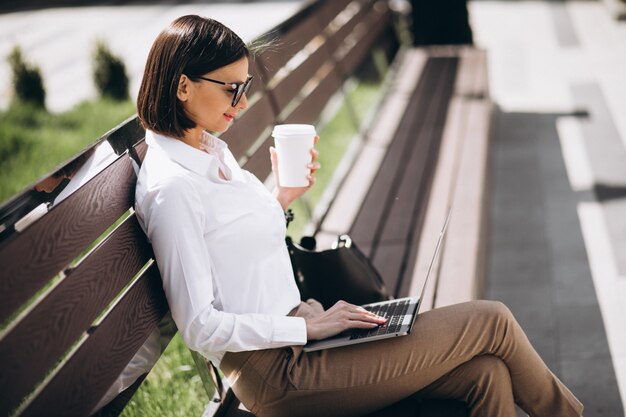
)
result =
(173, 388)
(33, 142)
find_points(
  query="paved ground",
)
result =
(558, 219)
(558, 212)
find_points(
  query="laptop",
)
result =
(400, 314)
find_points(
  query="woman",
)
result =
(218, 237)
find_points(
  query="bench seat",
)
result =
(394, 211)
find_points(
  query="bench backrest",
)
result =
(308, 58)
(79, 289)
(66, 333)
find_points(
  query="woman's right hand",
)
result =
(340, 317)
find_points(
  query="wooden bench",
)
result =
(72, 320)
(79, 289)
(427, 152)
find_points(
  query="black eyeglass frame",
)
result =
(240, 89)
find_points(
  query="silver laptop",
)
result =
(400, 314)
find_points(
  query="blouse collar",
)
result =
(202, 162)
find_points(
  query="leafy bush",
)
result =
(18, 117)
(26, 79)
(109, 73)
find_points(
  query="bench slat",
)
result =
(125, 135)
(79, 385)
(337, 38)
(405, 217)
(418, 177)
(366, 224)
(388, 262)
(292, 37)
(345, 206)
(404, 181)
(422, 129)
(309, 109)
(439, 202)
(329, 10)
(141, 148)
(289, 43)
(462, 273)
(260, 163)
(46, 247)
(368, 33)
(69, 310)
(292, 84)
(289, 87)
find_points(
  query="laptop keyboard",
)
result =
(393, 312)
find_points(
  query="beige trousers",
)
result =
(475, 352)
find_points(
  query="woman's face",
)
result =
(209, 104)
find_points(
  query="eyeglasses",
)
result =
(238, 89)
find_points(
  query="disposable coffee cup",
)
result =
(293, 144)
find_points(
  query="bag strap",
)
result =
(210, 377)
(217, 381)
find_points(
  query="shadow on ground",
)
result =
(537, 259)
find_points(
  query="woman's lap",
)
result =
(430, 351)
(364, 377)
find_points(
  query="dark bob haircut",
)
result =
(190, 45)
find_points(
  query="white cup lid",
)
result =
(293, 129)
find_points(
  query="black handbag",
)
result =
(340, 273)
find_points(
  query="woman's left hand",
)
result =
(286, 195)
(310, 309)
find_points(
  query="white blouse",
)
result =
(220, 247)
